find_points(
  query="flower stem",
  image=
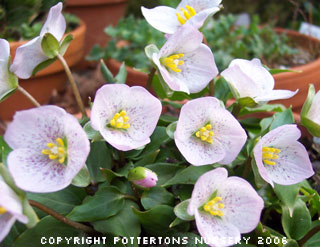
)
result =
(29, 96)
(150, 78)
(247, 169)
(309, 235)
(61, 218)
(211, 88)
(73, 85)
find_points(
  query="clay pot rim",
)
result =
(83, 3)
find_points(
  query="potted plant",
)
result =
(53, 77)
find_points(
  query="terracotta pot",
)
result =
(310, 73)
(97, 14)
(42, 85)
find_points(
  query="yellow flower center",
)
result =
(213, 207)
(56, 151)
(270, 154)
(120, 121)
(172, 62)
(205, 134)
(2, 210)
(187, 14)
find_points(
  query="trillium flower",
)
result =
(49, 149)
(207, 133)
(184, 62)
(8, 81)
(143, 177)
(224, 207)
(10, 209)
(281, 158)
(29, 55)
(249, 79)
(125, 116)
(193, 12)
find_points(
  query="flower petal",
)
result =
(257, 151)
(199, 5)
(198, 70)
(198, 20)
(6, 222)
(35, 128)
(55, 23)
(314, 112)
(5, 50)
(243, 205)
(162, 18)
(205, 186)
(28, 56)
(216, 231)
(276, 94)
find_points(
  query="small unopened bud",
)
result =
(143, 177)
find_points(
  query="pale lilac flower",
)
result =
(193, 12)
(207, 133)
(224, 207)
(8, 82)
(281, 158)
(125, 116)
(10, 209)
(29, 55)
(184, 62)
(250, 79)
(143, 177)
(49, 149)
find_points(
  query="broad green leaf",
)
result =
(82, 179)
(277, 71)
(106, 73)
(287, 194)
(299, 224)
(171, 129)
(177, 221)
(314, 241)
(64, 44)
(50, 45)
(125, 223)
(188, 175)
(110, 175)
(259, 181)
(10, 86)
(165, 171)
(156, 196)
(263, 108)
(121, 77)
(156, 220)
(91, 133)
(108, 201)
(313, 198)
(99, 157)
(181, 211)
(221, 89)
(247, 102)
(16, 230)
(46, 228)
(282, 118)
(4, 150)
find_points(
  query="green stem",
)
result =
(61, 218)
(133, 198)
(247, 168)
(309, 235)
(150, 78)
(73, 85)
(211, 88)
(236, 109)
(29, 96)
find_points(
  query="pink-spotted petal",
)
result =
(216, 231)
(55, 23)
(35, 128)
(28, 56)
(205, 186)
(257, 151)
(276, 94)
(6, 222)
(242, 204)
(162, 18)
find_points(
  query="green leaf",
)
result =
(64, 44)
(125, 223)
(315, 240)
(30, 213)
(108, 201)
(43, 65)
(150, 50)
(156, 221)
(181, 211)
(121, 77)
(46, 228)
(4, 150)
(50, 45)
(62, 201)
(313, 198)
(259, 181)
(11, 84)
(106, 73)
(263, 108)
(247, 102)
(82, 179)
(156, 196)
(110, 175)
(287, 195)
(282, 118)
(299, 224)
(221, 89)
(165, 171)
(278, 71)
(188, 175)
(99, 157)
(171, 129)
(96, 54)
(91, 133)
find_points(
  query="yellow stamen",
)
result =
(2, 210)
(270, 154)
(205, 134)
(187, 14)
(172, 62)
(56, 151)
(213, 207)
(120, 120)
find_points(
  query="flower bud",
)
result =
(143, 177)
